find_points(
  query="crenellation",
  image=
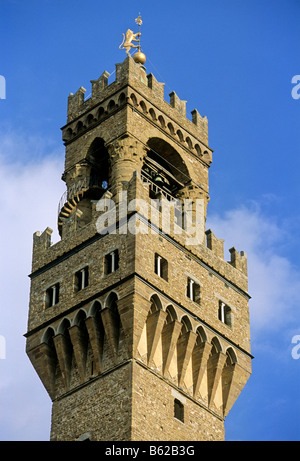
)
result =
(200, 122)
(75, 101)
(41, 243)
(238, 260)
(148, 87)
(99, 85)
(158, 88)
(214, 244)
(178, 104)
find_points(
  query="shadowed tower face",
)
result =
(138, 328)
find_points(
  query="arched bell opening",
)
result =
(98, 159)
(164, 169)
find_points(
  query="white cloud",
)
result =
(274, 282)
(31, 187)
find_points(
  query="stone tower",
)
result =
(138, 328)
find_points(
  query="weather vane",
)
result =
(130, 37)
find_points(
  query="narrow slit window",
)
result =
(52, 296)
(81, 279)
(179, 410)
(161, 267)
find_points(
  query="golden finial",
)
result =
(127, 44)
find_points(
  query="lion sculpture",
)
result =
(128, 38)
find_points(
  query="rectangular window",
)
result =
(161, 267)
(179, 410)
(224, 313)
(111, 262)
(193, 290)
(52, 296)
(81, 279)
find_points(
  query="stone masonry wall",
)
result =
(153, 412)
(101, 409)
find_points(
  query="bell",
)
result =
(159, 179)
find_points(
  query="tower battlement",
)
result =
(144, 93)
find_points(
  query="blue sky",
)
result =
(232, 60)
